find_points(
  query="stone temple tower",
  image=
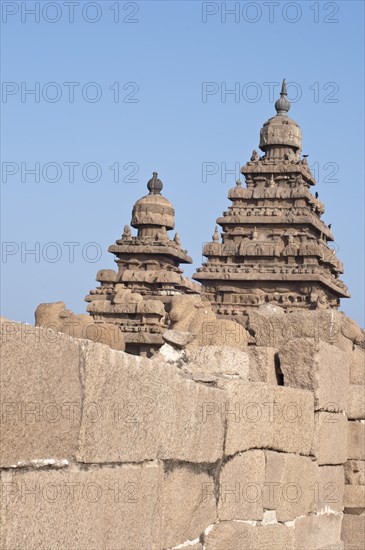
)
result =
(274, 247)
(137, 297)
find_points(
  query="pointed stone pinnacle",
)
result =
(282, 105)
(215, 236)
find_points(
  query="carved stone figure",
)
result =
(127, 233)
(193, 315)
(229, 248)
(291, 248)
(56, 317)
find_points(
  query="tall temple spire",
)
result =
(274, 247)
(282, 105)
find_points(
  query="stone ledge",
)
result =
(272, 417)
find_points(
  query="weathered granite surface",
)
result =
(179, 450)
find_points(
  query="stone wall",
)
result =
(212, 447)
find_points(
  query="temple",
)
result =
(274, 247)
(138, 296)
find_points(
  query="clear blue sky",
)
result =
(158, 64)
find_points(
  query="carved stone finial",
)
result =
(254, 156)
(155, 185)
(215, 236)
(282, 105)
(239, 183)
(177, 239)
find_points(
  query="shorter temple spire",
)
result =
(138, 296)
(282, 105)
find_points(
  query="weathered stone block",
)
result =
(319, 367)
(188, 505)
(262, 365)
(356, 440)
(289, 485)
(329, 326)
(135, 409)
(357, 366)
(355, 472)
(178, 338)
(241, 487)
(330, 438)
(356, 407)
(293, 425)
(263, 416)
(353, 531)
(317, 532)
(329, 489)
(275, 330)
(97, 508)
(221, 332)
(354, 499)
(247, 412)
(40, 394)
(243, 536)
(219, 361)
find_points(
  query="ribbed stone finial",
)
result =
(155, 185)
(282, 105)
(215, 236)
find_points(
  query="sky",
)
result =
(98, 95)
